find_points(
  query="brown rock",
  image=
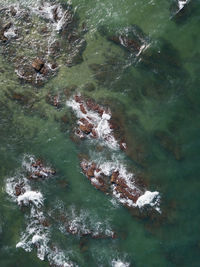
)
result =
(86, 128)
(19, 189)
(44, 70)
(38, 64)
(78, 99)
(90, 172)
(83, 109)
(114, 177)
(94, 133)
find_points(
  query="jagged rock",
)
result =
(13, 11)
(114, 177)
(19, 189)
(86, 128)
(38, 64)
(38, 170)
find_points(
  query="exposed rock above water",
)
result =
(93, 121)
(35, 38)
(113, 178)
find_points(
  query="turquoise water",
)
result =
(154, 97)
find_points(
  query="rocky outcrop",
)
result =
(37, 169)
(112, 183)
(50, 32)
(130, 38)
(94, 121)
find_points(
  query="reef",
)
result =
(94, 122)
(34, 39)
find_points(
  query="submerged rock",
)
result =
(169, 144)
(181, 10)
(131, 38)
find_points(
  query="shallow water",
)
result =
(155, 98)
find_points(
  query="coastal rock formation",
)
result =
(113, 178)
(94, 121)
(36, 169)
(35, 37)
(130, 38)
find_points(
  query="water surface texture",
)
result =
(130, 68)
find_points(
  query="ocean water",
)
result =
(152, 94)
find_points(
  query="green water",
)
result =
(158, 93)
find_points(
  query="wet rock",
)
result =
(39, 170)
(53, 100)
(68, 42)
(91, 170)
(38, 64)
(45, 223)
(82, 109)
(114, 177)
(86, 128)
(19, 189)
(3, 30)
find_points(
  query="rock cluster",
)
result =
(95, 121)
(110, 177)
(112, 183)
(39, 170)
(38, 36)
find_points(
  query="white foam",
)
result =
(181, 4)
(84, 223)
(27, 164)
(108, 167)
(36, 239)
(35, 234)
(57, 258)
(119, 263)
(30, 197)
(149, 199)
(47, 10)
(11, 184)
(10, 33)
